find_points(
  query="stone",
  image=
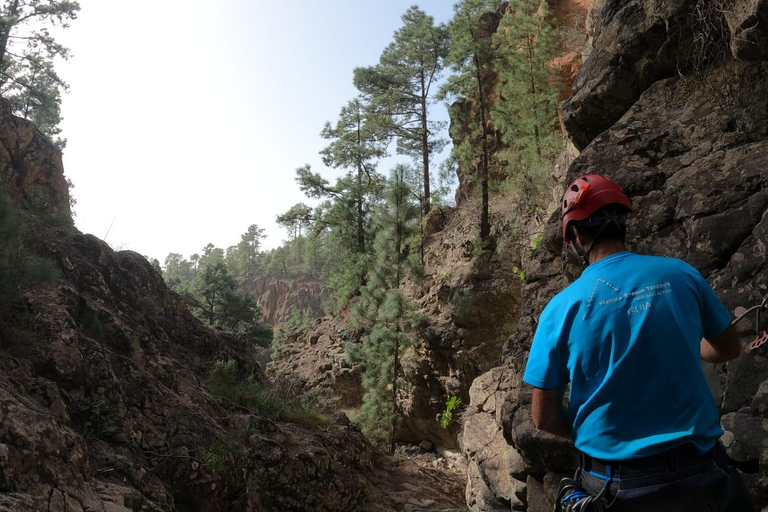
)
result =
(536, 496)
(631, 50)
(748, 23)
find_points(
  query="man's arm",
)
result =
(548, 412)
(723, 348)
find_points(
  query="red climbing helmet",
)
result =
(586, 195)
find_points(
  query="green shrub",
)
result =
(19, 268)
(278, 342)
(507, 330)
(49, 214)
(278, 402)
(217, 456)
(301, 319)
(95, 419)
(536, 242)
(451, 406)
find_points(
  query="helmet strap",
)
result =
(584, 258)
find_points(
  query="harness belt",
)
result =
(572, 497)
(680, 457)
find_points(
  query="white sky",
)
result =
(186, 119)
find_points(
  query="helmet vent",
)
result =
(575, 188)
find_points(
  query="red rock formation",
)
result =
(280, 297)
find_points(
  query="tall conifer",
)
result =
(383, 312)
(472, 58)
(355, 146)
(400, 89)
(27, 52)
(526, 112)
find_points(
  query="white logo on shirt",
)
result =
(645, 294)
(639, 309)
(592, 295)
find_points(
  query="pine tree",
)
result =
(526, 112)
(210, 289)
(345, 215)
(297, 219)
(248, 250)
(356, 146)
(213, 295)
(399, 90)
(472, 58)
(178, 272)
(27, 53)
(384, 314)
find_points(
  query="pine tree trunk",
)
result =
(360, 232)
(210, 311)
(425, 146)
(485, 224)
(5, 32)
(533, 95)
(395, 371)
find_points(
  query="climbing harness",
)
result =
(761, 337)
(572, 497)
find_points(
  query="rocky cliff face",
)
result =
(691, 151)
(103, 405)
(280, 297)
(34, 170)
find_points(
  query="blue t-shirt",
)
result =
(626, 335)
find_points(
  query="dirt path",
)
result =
(403, 485)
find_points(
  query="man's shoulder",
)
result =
(652, 261)
(565, 298)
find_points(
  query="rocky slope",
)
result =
(685, 131)
(103, 405)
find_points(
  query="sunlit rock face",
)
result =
(282, 297)
(692, 153)
(466, 301)
(635, 44)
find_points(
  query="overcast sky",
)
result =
(186, 119)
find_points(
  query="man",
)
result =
(628, 336)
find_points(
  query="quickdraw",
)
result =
(761, 337)
(572, 497)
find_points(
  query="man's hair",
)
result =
(607, 223)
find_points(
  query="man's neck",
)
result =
(605, 249)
